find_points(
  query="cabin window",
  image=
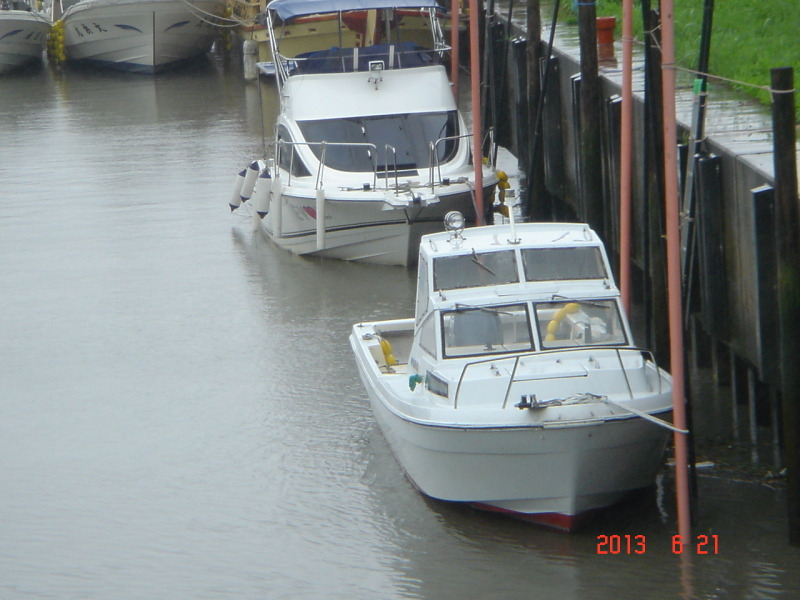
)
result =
(475, 270)
(571, 323)
(427, 336)
(436, 385)
(364, 144)
(472, 331)
(554, 264)
(422, 289)
(288, 158)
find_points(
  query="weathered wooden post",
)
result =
(591, 160)
(535, 175)
(787, 225)
(654, 291)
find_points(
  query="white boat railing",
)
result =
(514, 378)
(356, 59)
(385, 173)
(434, 162)
(373, 154)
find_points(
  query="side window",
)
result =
(427, 335)
(422, 289)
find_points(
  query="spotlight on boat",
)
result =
(454, 222)
(376, 72)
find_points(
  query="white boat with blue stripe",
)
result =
(369, 150)
(517, 387)
(143, 36)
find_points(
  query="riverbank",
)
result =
(749, 37)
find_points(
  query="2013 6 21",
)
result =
(637, 544)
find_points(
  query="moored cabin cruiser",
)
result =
(369, 150)
(23, 34)
(517, 387)
(142, 36)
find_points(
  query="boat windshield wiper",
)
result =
(490, 309)
(477, 261)
(595, 304)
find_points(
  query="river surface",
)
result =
(180, 415)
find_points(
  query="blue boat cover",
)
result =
(290, 9)
(337, 60)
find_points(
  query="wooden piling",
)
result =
(654, 292)
(751, 415)
(535, 167)
(734, 399)
(591, 160)
(787, 224)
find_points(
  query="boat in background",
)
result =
(143, 36)
(23, 34)
(516, 387)
(369, 150)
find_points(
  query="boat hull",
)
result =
(145, 37)
(367, 230)
(23, 35)
(556, 477)
(507, 460)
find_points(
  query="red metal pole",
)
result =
(672, 207)
(454, 58)
(626, 142)
(475, 77)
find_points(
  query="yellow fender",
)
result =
(387, 352)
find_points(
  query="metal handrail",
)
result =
(518, 357)
(433, 160)
(322, 165)
(283, 63)
(386, 150)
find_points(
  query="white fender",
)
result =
(236, 199)
(263, 192)
(250, 59)
(277, 208)
(320, 219)
(249, 181)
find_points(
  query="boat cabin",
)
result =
(492, 291)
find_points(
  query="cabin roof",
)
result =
(290, 9)
(496, 237)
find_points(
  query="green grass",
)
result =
(749, 37)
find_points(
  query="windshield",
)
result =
(410, 135)
(554, 264)
(475, 331)
(475, 270)
(579, 323)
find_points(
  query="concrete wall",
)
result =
(738, 131)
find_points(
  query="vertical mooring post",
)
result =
(787, 224)
(734, 398)
(591, 166)
(535, 167)
(454, 42)
(751, 415)
(475, 93)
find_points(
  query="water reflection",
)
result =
(180, 413)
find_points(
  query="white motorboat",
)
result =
(144, 36)
(369, 149)
(23, 34)
(516, 387)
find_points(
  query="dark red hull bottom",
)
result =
(566, 523)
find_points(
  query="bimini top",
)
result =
(290, 9)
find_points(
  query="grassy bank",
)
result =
(749, 37)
